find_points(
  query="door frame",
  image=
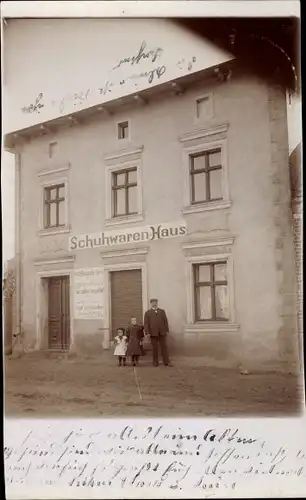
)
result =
(41, 300)
(128, 266)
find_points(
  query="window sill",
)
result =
(53, 231)
(213, 205)
(218, 327)
(117, 221)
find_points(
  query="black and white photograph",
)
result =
(152, 208)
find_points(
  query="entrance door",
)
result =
(126, 298)
(58, 313)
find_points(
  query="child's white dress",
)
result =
(121, 346)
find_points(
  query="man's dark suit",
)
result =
(156, 325)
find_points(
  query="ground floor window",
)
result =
(211, 291)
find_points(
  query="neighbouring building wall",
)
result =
(9, 305)
(296, 201)
(253, 226)
(284, 248)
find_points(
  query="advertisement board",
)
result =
(89, 293)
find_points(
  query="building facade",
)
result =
(181, 195)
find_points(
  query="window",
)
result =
(206, 176)
(54, 206)
(124, 192)
(204, 108)
(211, 291)
(123, 187)
(123, 130)
(205, 169)
(52, 149)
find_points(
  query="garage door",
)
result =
(126, 298)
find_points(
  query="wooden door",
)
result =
(59, 313)
(126, 298)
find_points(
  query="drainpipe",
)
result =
(18, 341)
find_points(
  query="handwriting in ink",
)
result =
(155, 457)
(107, 87)
(210, 435)
(36, 107)
(142, 53)
(77, 98)
(150, 75)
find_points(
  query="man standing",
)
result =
(156, 325)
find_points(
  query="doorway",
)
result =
(126, 298)
(59, 313)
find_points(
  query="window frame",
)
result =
(124, 164)
(205, 252)
(119, 128)
(51, 182)
(126, 186)
(212, 284)
(200, 98)
(207, 169)
(48, 201)
(52, 149)
(197, 142)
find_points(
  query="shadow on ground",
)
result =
(40, 385)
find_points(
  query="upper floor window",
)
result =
(124, 192)
(206, 176)
(204, 108)
(52, 149)
(206, 169)
(54, 206)
(123, 130)
(123, 187)
(211, 291)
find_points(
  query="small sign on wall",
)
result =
(89, 293)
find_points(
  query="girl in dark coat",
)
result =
(135, 335)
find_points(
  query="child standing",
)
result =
(135, 335)
(121, 346)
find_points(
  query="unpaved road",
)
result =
(56, 386)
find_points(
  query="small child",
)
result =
(121, 346)
(135, 335)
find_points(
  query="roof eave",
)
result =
(176, 86)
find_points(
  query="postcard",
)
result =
(152, 228)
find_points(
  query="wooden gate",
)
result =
(58, 313)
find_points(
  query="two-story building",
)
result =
(178, 190)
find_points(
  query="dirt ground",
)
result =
(56, 386)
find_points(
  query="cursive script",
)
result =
(142, 54)
(161, 458)
(75, 99)
(36, 107)
(155, 73)
(114, 83)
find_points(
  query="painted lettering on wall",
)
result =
(36, 107)
(88, 293)
(133, 235)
